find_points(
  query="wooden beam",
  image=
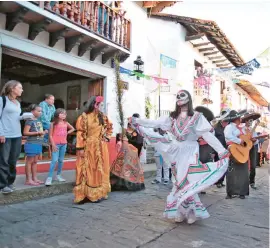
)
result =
(14, 76)
(106, 56)
(14, 18)
(223, 65)
(161, 5)
(97, 50)
(70, 42)
(149, 4)
(212, 53)
(123, 57)
(194, 37)
(37, 27)
(202, 44)
(206, 49)
(57, 35)
(57, 78)
(83, 47)
(216, 57)
(219, 61)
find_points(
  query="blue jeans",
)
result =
(58, 156)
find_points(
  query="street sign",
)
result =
(165, 88)
(125, 85)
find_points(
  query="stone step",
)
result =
(27, 193)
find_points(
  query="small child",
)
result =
(59, 131)
(118, 142)
(160, 163)
(33, 147)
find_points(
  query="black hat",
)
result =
(136, 115)
(234, 115)
(208, 114)
(250, 116)
(223, 114)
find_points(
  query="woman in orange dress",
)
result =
(92, 166)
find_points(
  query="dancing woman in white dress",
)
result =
(182, 153)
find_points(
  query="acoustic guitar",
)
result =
(241, 152)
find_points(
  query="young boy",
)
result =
(160, 163)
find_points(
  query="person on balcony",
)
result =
(48, 111)
(94, 130)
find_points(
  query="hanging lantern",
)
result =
(138, 66)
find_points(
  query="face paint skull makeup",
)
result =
(249, 123)
(182, 98)
(101, 107)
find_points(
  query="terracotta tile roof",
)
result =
(253, 92)
(209, 29)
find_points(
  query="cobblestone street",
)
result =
(135, 220)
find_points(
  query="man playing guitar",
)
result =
(237, 180)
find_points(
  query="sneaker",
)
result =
(180, 218)
(165, 182)
(191, 219)
(253, 186)
(11, 186)
(155, 181)
(228, 197)
(48, 181)
(6, 190)
(59, 178)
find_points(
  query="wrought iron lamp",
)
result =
(138, 66)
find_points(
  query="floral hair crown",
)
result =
(99, 99)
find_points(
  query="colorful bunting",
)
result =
(160, 80)
(249, 67)
(141, 75)
(167, 61)
(125, 71)
(133, 73)
(264, 84)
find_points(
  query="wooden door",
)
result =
(96, 88)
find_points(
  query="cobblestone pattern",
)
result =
(135, 220)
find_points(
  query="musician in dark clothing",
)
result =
(206, 152)
(134, 138)
(219, 133)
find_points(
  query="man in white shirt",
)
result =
(237, 180)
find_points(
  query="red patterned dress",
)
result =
(126, 170)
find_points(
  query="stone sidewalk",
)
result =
(25, 193)
(134, 220)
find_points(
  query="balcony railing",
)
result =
(94, 16)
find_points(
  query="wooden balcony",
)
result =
(94, 17)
